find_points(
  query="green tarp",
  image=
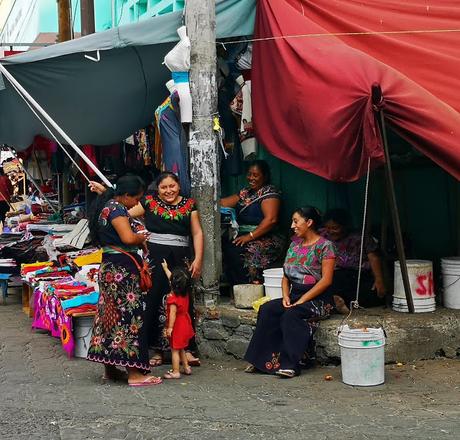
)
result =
(103, 102)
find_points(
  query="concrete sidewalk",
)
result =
(45, 395)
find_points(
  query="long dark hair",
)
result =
(181, 281)
(340, 216)
(165, 174)
(129, 184)
(310, 213)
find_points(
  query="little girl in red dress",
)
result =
(179, 328)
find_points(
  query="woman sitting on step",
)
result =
(285, 327)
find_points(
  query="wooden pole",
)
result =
(395, 217)
(200, 20)
(64, 20)
(87, 17)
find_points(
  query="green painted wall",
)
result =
(428, 200)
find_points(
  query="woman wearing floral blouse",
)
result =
(285, 327)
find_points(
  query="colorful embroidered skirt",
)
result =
(119, 334)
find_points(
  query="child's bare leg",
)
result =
(186, 367)
(175, 357)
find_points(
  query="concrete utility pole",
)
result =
(64, 20)
(200, 19)
(87, 17)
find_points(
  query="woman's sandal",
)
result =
(192, 360)
(156, 360)
(147, 382)
(171, 375)
(286, 373)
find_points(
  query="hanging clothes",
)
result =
(173, 144)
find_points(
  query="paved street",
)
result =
(44, 395)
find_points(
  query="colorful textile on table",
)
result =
(50, 316)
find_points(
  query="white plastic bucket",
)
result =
(272, 282)
(82, 332)
(245, 294)
(421, 285)
(362, 354)
(450, 269)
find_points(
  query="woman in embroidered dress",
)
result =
(259, 243)
(285, 327)
(119, 333)
(175, 228)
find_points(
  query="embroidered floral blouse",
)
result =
(162, 218)
(249, 206)
(303, 264)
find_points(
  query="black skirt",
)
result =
(283, 335)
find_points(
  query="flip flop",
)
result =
(194, 361)
(171, 375)
(250, 369)
(286, 373)
(187, 371)
(147, 382)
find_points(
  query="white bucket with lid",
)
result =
(450, 270)
(362, 353)
(272, 282)
(421, 283)
(82, 332)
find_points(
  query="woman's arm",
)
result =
(230, 201)
(285, 287)
(126, 234)
(327, 271)
(198, 244)
(270, 209)
(137, 211)
(376, 267)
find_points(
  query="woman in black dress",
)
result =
(175, 236)
(119, 335)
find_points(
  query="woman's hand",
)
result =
(167, 332)
(286, 302)
(96, 187)
(379, 287)
(242, 240)
(195, 268)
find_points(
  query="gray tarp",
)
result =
(102, 103)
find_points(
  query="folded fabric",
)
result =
(77, 237)
(84, 260)
(91, 299)
(87, 309)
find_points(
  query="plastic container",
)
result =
(245, 294)
(272, 282)
(450, 270)
(82, 332)
(362, 352)
(421, 285)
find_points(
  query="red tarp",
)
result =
(312, 94)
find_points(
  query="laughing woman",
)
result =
(285, 327)
(119, 335)
(259, 243)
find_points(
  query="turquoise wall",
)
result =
(49, 16)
